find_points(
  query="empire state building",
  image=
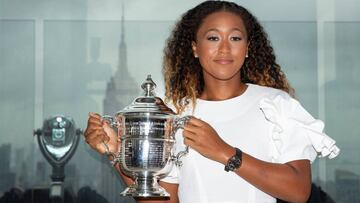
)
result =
(121, 90)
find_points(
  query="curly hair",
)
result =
(183, 73)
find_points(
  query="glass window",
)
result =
(71, 59)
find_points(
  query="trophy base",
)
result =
(142, 189)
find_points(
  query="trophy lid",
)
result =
(148, 102)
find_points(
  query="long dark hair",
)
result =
(183, 73)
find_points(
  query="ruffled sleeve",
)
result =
(295, 133)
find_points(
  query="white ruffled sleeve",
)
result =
(295, 133)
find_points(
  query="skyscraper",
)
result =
(6, 176)
(121, 90)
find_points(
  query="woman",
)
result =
(249, 140)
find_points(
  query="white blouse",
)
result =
(263, 122)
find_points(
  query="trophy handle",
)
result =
(179, 123)
(115, 124)
(115, 157)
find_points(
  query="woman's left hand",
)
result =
(201, 137)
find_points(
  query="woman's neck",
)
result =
(222, 90)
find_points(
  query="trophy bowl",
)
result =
(146, 129)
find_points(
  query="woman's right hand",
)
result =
(99, 132)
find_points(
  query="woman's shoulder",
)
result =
(269, 92)
(186, 111)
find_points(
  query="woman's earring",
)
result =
(246, 56)
(196, 56)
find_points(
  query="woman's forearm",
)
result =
(128, 181)
(290, 182)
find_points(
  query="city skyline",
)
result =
(80, 53)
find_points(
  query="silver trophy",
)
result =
(147, 153)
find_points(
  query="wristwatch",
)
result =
(234, 162)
